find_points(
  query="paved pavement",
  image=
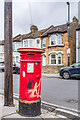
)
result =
(10, 112)
(51, 75)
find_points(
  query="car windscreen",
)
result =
(76, 65)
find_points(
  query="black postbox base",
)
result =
(30, 109)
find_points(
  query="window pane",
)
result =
(59, 61)
(44, 42)
(13, 46)
(38, 43)
(59, 39)
(53, 39)
(13, 59)
(53, 56)
(17, 58)
(25, 43)
(1, 48)
(21, 44)
(17, 46)
(30, 43)
(43, 60)
(59, 58)
(53, 61)
(0, 59)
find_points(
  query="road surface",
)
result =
(54, 90)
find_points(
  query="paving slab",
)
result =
(10, 112)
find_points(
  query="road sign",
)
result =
(67, 44)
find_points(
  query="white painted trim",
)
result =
(43, 60)
(44, 54)
(16, 56)
(57, 52)
(1, 52)
(55, 64)
(56, 45)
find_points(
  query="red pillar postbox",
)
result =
(30, 81)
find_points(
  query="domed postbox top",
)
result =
(31, 50)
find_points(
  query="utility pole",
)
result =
(79, 32)
(68, 25)
(8, 56)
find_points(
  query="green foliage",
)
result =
(9, 105)
(64, 65)
(56, 114)
(17, 111)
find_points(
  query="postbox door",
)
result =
(30, 81)
(33, 82)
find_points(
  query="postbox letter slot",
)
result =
(30, 55)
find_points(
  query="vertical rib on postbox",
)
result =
(30, 81)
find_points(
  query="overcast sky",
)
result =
(43, 15)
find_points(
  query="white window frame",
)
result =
(28, 43)
(15, 60)
(42, 60)
(44, 43)
(59, 39)
(1, 59)
(2, 49)
(51, 40)
(61, 59)
(55, 58)
(38, 44)
(24, 43)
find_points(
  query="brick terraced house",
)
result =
(54, 40)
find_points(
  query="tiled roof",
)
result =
(36, 34)
(56, 29)
(17, 38)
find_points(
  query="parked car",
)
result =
(71, 71)
(16, 67)
(2, 66)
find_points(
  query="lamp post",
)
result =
(68, 25)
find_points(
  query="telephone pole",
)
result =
(8, 56)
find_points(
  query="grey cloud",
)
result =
(43, 14)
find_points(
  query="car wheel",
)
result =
(66, 75)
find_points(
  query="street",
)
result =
(54, 90)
